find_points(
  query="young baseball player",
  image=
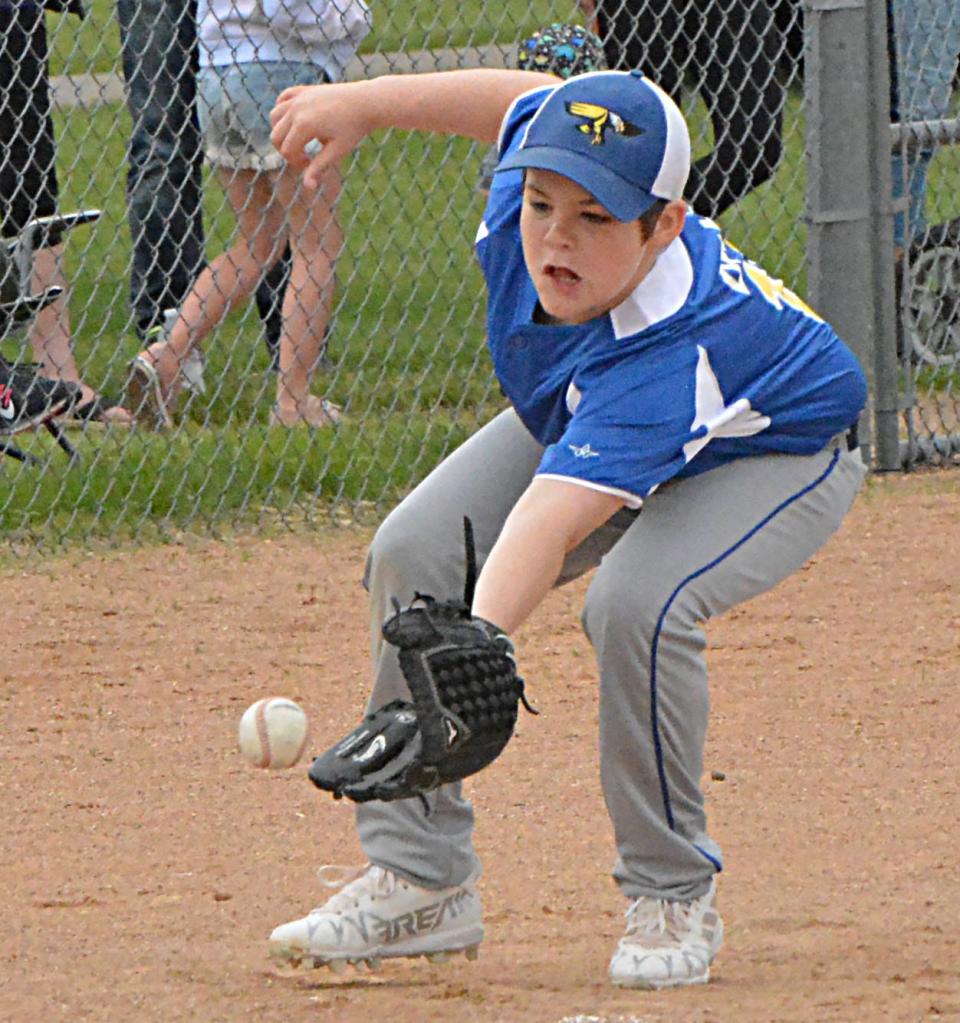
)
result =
(649, 365)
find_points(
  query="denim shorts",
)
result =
(234, 104)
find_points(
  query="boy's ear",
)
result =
(669, 223)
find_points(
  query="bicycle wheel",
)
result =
(931, 307)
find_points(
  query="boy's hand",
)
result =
(333, 115)
(471, 103)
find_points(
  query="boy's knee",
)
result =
(617, 606)
(411, 554)
(397, 552)
(387, 548)
(627, 607)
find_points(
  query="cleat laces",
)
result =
(658, 923)
(354, 883)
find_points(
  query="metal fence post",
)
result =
(849, 209)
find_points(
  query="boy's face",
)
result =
(583, 261)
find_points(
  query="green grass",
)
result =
(148, 486)
(83, 47)
(412, 371)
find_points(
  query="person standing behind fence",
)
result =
(29, 189)
(159, 59)
(247, 58)
(164, 192)
(730, 49)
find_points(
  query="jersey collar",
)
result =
(663, 292)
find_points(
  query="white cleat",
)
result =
(668, 944)
(378, 915)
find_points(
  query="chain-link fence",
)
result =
(320, 360)
(926, 180)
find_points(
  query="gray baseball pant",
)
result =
(700, 546)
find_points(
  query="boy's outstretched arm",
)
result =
(470, 103)
(550, 520)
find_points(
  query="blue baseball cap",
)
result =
(615, 133)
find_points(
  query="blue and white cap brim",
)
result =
(623, 199)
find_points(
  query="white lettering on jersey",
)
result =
(731, 268)
(713, 416)
(583, 452)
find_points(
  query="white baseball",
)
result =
(273, 733)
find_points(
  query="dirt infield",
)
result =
(143, 863)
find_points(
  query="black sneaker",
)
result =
(28, 399)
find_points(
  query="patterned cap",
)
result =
(616, 134)
(563, 50)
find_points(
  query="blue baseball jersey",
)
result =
(708, 360)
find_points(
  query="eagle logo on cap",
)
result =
(599, 120)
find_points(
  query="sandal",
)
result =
(146, 398)
(315, 412)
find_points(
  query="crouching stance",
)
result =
(648, 363)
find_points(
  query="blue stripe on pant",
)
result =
(701, 546)
(664, 788)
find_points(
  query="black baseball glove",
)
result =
(465, 688)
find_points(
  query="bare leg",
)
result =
(315, 242)
(49, 333)
(230, 278)
(271, 208)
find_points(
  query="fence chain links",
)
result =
(926, 164)
(329, 349)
